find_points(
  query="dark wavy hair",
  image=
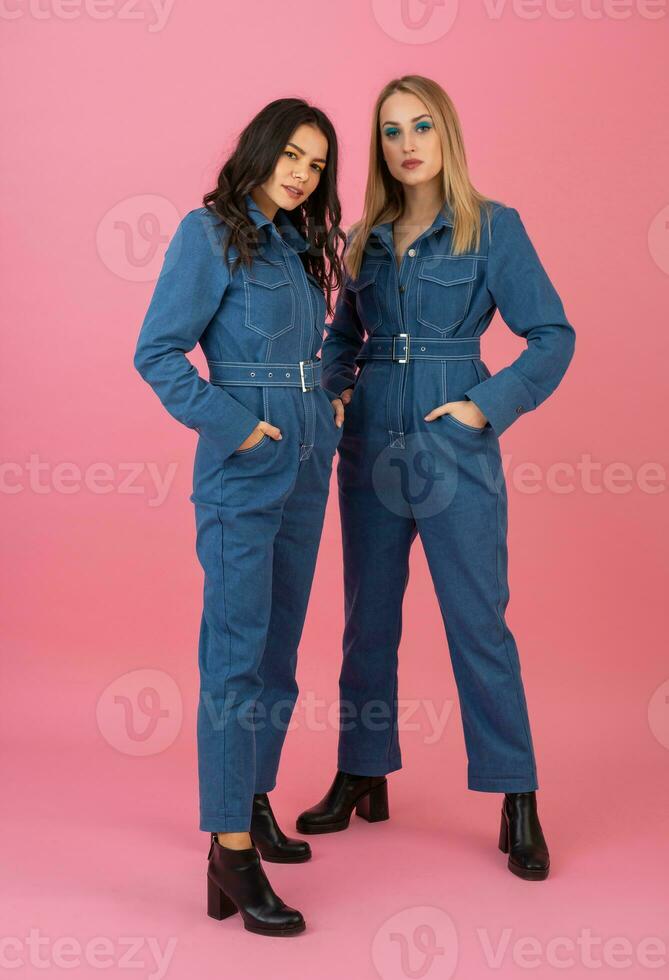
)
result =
(252, 162)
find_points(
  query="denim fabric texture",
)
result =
(258, 511)
(407, 340)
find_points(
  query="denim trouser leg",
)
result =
(237, 557)
(295, 552)
(259, 518)
(376, 545)
(466, 549)
(444, 481)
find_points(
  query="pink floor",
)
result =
(104, 847)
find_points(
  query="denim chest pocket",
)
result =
(270, 298)
(364, 289)
(445, 287)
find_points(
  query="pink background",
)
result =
(117, 117)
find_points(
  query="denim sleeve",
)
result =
(344, 339)
(187, 294)
(531, 307)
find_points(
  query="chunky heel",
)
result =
(219, 906)
(521, 837)
(374, 805)
(504, 836)
(236, 882)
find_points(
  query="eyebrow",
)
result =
(315, 160)
(391, 122)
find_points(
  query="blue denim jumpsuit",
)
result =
(414, 334)
(259, 511)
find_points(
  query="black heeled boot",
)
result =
(236, 882)
(270, 840)
(521, 837)
(367, 794)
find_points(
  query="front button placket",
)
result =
(400, 366)
(305, 343)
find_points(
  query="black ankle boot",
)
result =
(521, 837)
(368, 794)
(236, 882)
(270, 840)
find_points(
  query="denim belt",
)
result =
(404, 347)
(301, 374)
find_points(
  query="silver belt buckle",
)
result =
(302, 379)
(405, 338)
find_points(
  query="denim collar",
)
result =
(282, 226)
(444, 218)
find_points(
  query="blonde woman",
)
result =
(429, 263)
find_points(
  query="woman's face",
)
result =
(411, 146)
(299, 169)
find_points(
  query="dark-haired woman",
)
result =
(249, 277)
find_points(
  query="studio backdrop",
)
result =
(117, 119)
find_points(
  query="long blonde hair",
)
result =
(384, 198)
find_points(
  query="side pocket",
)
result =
(463, 425)
(251, 449)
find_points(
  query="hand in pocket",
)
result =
(262, 429)
(465, 411)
